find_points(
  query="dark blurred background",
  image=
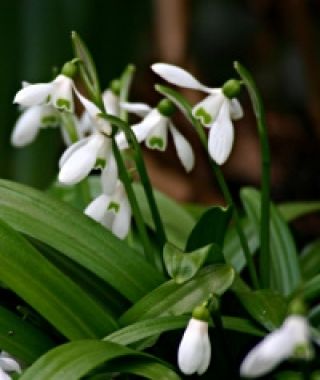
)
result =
(277, 40)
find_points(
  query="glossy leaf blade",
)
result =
(174, 299)
(78, 237)
(59, 300)
(22, 339)
(285, 271)
(74, 360)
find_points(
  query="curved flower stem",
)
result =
(83, 187)
(229, 199)
(123, 174)
(265, 261)
(137, 155)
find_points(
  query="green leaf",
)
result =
(74, 360)
(294, 210)
(59, 300)
(126, 79)
(285, 271)
(22, 339)
(310, 260)
(311, 289)
(265, 306)
(171, 298)
(78, 237)
(314, 316)
(87, 67)
(182, 266)
(155, 326)
(178, 223)
(210, 228)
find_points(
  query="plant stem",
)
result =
(138, 157)
(229, 199)
(69, 126)
(149, 252)
(264, 263)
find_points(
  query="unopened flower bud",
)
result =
(166, 107)
(231, 88)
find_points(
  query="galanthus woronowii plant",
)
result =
(102, 276)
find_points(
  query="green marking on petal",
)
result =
(203, 115)
(113, 206)
(100, 163)
(48, 99)
(63, 104)
(49, 120)
(156, 142)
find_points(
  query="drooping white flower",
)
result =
(57, 93)
(8, 364)
(194, 352)
(153, 129)
(281, 344)
(31, 121)
(80, 158)
(216, 111)
(111, 209)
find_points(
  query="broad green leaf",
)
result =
(59, 300)
(265, 306)
(78, 237)
(21, 338)
(182, 266)
(171, 298)
(195, 210)
(74, 360)
(155, 326)
(310, 260)
(109, 298)
(232, 249)
(289, 375)
(178, 223)
(311, 289)
(285, 271)
(210, 228)
(294, 210)
(86, 66)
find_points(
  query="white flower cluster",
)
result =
(8, 364)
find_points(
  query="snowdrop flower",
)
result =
(8, 364)
(81, 157)
(31, 121)
(291, 339)
(111, 209)
(153, 129)
(216, 111)
(57, 93)
(194, 352)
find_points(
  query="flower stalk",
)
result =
(264, 263)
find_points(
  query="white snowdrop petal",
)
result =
(183, 148)
(34, 94)
(139, 109)
(203, 366)
(4, 376)
(81, 162)
(49, 116)
(221, 136)
(191, 349)
(178, 76)
(70, 150)
(157, 138)
(122, 219)
(62, 97)
(98, 207)
(109, 175)
(111, 103)
(297, 328)
(264, 357)
(235, 109)
(208, 109)
(9, 364)
(27, 127)
(89, 106)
